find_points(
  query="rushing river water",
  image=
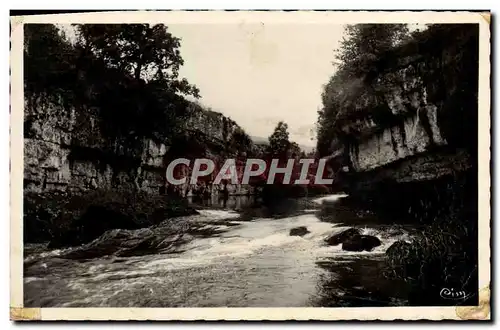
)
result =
(237, 257)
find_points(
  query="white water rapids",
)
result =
(243, 263)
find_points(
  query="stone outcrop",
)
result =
(420, 124)
(65, 149)
(398, 142)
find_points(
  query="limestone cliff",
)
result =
(66, 149)
(416, 117)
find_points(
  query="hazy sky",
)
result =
(260, 74)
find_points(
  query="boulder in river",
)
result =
(299, 231)
(341, 237)
(360, 243)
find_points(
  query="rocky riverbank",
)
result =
(70, 220)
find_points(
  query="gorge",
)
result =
(103, 227)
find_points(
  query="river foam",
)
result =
(239, 263)
(219, 214)
(329, 198)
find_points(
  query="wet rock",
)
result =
(340, 238)
(155, 245)
(360, 243)
(299, 231)
(128, 243)
(92, 224)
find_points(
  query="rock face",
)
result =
(66, 150)
(398, 142)
(424, 126)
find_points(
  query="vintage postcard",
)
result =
(250, 165)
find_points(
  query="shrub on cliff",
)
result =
(72, 220)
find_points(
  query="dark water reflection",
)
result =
(360, 281)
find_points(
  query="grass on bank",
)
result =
(444, 254)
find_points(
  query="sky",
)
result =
(260, 74)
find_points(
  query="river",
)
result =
(231, 255)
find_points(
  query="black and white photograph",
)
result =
(270, 160)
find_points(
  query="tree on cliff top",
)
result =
(148, 53)
(148, 99)
(129, 72)
(364, 43)
(49, 61)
